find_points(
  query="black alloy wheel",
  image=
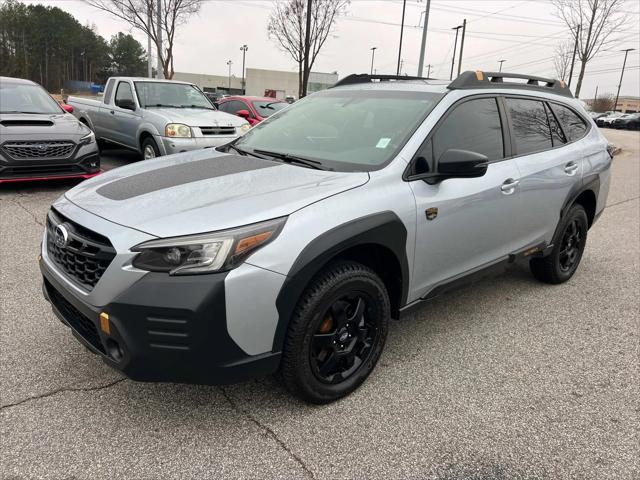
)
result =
(336, 334)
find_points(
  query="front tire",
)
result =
(336, 334)
(568, 246)
(150, 149)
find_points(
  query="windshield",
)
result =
(177, 95)
(268, 108)
(20, 98)
(345, 130)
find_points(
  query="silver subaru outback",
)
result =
(291, 248)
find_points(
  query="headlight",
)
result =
(177, 130)
(207, 252)
(88, 138)
(244, 128)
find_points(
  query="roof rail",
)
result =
(366, 78)
(480, 79)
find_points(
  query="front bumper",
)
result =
(162, 329)
(85, 164)
(179, 145)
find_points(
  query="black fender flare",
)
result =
(384, 229)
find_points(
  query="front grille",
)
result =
(84, 256)
(218, 130)
(74, 317)
(39, 150)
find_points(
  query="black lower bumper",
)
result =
(81, 167)
(163, 329)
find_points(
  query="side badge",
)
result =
(431, 213)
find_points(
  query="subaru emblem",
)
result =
(61, 236)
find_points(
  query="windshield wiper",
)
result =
(162, 105)
(198, 106)
(294, 159)
(244, 152)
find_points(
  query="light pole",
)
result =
(575, 49)
(501, 62)
(404, 6)
(424, 39)
(244, 49)
(229, 63)
(624, 64)
(464, 29)
(373, 54)
(455, 44)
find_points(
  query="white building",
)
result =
(259, 82)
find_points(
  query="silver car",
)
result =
(292, 248)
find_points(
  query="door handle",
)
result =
(509, 186)
(571, 168)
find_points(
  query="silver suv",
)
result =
(291, 248)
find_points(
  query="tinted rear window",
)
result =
(530, 125)
(574, 127)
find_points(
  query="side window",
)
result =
(107, 91)
(530, 125)
(474, 125)
(557, 135)
(223, 106)
(573, 125)
(123, 92)
(244, 106)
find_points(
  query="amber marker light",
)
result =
(250, 242)
(104, 323)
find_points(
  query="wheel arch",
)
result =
(377, 241)
(586, 195)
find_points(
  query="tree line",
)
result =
(49, 46)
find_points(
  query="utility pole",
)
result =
(373, 54)
(501, 62)
(401, 64)
(160, 72)
(229, 63)
(624, 64)
(429, 71)
(244, 49)
(149, 69)
(595, 99)
(464, 29)
(404, 6)
(453, 57)
(575, 49)
(307, 47)
(424, 39)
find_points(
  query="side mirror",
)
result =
(67, 108)
(126, 103)
(244, 114)
(462, 163)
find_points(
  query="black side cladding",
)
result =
(180, 174)
(384, 229)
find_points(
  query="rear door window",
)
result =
(530, 125)
(557, 135)
(473, 125)
(573, 126)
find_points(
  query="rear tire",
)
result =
(150, 149)
(336, 334)
(568, 247)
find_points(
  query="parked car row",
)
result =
(628, 121)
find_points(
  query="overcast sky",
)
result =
(524, 33)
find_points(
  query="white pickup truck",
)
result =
(156, 117)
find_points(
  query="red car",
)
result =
(254, 109)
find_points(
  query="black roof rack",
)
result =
(480, 79)
(356, 78)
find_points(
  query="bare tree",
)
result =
(604, 103)
(141, 14)
(287, 26)
(599, 20)
(562, 60)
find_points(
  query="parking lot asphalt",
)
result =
(508, 379)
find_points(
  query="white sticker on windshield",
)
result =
(383, 142)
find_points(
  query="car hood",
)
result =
(204, 191)
(198, 117)
(43, 126)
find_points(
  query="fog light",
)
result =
(104, 323)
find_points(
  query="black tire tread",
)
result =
(328, 278)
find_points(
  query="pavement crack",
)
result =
(270, 433)
(623, 201)
(62, 390)
(33, 215)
